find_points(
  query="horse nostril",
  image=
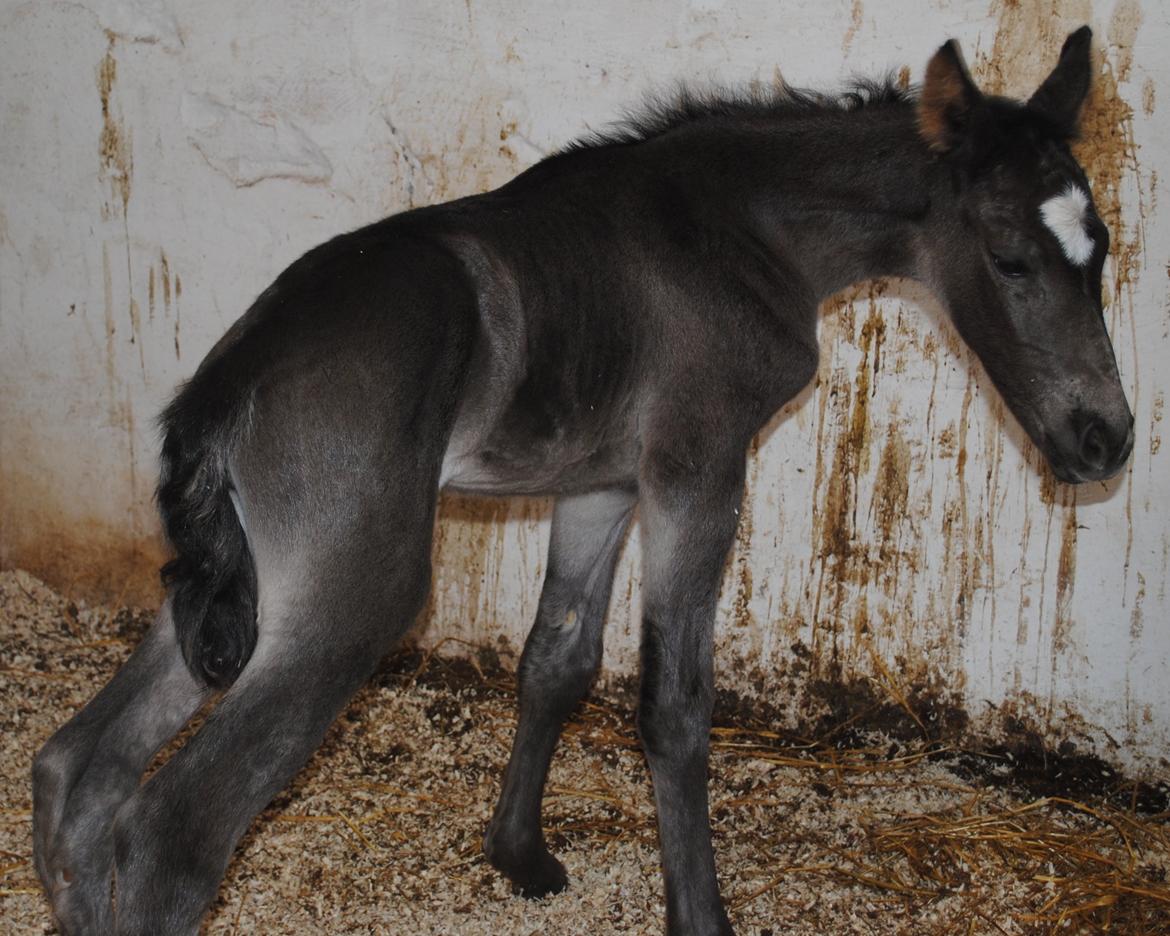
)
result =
(1094, 446)
(1127, 446)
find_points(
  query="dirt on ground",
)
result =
(855, 830)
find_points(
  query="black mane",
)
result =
(661, 114)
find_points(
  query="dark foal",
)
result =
(612, 327)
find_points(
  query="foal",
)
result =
(612, 327)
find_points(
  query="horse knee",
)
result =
(675, 699)
(669, 729)
(562, 653)
(55, 771)
(53, 768)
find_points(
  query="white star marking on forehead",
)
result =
(1065, 216)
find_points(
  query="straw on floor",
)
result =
(380, 832)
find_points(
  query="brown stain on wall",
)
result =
(1156, 414)
(1109, 155)
(961, 553)
(476, 157)
(164, 273)
(1149, 97)
(874, 512)
(178, 315)
(117, 160)
(467, 550)
(46, 530)
(742, 554)
(1123, 31)
(150, 294)
(1028, 37)
(842, 563)
(92, 561)
(1137, 617)
(892, 494)
(110, 326)
(73, 550)
(1066, 570)
(855, 15)
(172, 290)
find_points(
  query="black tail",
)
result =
(212, 579)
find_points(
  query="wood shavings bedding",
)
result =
(380, 832)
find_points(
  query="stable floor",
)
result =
(853, 832)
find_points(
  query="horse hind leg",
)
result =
(338, 497)
(327, 617)
(93, 764)
(560, 660)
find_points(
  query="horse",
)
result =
(612, 328)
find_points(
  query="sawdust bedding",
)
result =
(380, 832)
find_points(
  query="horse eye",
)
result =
(1009, 268)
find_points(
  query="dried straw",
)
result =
(813, 837)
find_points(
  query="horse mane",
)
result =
(662, 113)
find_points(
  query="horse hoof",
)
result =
(542, 877)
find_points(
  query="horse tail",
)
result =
(212, 579)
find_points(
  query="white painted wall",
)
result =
(161, 162)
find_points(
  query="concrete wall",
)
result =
(161, 162)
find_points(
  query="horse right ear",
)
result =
(1064, 91)
(948, 99)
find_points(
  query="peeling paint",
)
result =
(148, 21)
(248, 149)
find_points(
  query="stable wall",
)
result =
(161, 162)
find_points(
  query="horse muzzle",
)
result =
(1093, 448)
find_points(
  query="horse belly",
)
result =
(571, 460)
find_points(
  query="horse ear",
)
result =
(1064, 91)
(948, 99)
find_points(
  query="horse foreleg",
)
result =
(560, 659)
(689, 513)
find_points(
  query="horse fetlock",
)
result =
(531, 868)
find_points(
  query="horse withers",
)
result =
(612, 327)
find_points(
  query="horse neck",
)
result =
(842, 196)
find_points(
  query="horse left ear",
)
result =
(1064, 91)
(948, 100)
